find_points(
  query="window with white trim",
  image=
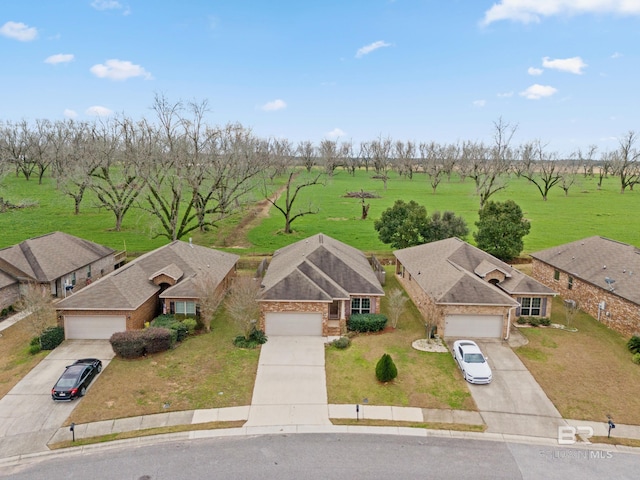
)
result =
(185, 308)
(360, 305)
(531, 307)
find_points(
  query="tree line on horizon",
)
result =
(190, 175)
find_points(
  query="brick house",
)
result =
(465, 292)
(60, 262)
(600, 274)
(165, 280)
(311, 287)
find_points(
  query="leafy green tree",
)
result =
(386, 370)
(407, 224)
(501, 228)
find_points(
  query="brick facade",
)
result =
(619, 314)
(329, 327)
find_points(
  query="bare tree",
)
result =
(242, 304)
(329, 155)
(493, 168)
(14, 146)
(116, 181)
(381, 154)
(37, 300)
(569, 174)
(405, 153)
(431, 159)
(626, 161)
(293, 187)
(396, 303)
(307, 154)
(604, 166)
(210, 298)
(38, 147)
(365, 155)
(545, 172)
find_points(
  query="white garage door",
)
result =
(93, 327)
(298, 324)
(473, 326)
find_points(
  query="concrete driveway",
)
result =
(514, 403)
(290, 387)
(28, 415)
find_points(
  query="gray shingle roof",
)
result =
(49, 257)
(595, 258)
(447, 271)
(319, 268)
(129, 286)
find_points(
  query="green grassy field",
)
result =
(585, 212)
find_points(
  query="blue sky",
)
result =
(565, 71)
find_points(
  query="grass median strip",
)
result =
(145, 433)
(458, 427)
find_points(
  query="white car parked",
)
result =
(471, 361)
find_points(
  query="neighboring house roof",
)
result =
(319, 268)
(451, 271)
(49, 257)
(130, 286)
(594, 259)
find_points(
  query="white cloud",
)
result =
(479, 103)
(528, 11)
(536, 91)
(571, 65)
(106, 5)
(616, 55)
(335, 133)
(98, 111)
(274, 105)
(370, 48)
(59, 58)
(19, 31)
(534, 71)
(70, 113)
(505, 94)
(115, 69)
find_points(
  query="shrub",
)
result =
(169, 321)
(546, 322)
(366, 322)
(636, 358)
(51, 338)
(341, 343)
(129, 344)
(34, 341)
(33, 349)
(521, 320)
(256, 338)
(634, 344)
(191, 324)
(157, 339)
(385, 369)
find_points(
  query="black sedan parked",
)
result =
(76, 379)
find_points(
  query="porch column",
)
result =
(342, 302)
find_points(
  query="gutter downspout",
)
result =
(509, 322)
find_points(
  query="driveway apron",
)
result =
(514, 403)
(28, 415)
(290, 387)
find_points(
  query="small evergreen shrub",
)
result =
(545, 322)
(34, 341)
(51, 338)
(169, 321)
(256, 338)
(129, 344)
(636, 358)
(521, 321)
(386, 370)
(33, 349)
(341, 343)
(191, 324)
(366, 322)
(634, 344)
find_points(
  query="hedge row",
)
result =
(366, 322)
(138, 343)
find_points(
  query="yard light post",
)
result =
(73, 432)
(364, 402)
(357, 413)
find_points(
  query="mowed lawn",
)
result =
(588, 374)
(428, 380)
(15, 359)
(205, 371)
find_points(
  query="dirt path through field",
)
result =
(238, 236)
